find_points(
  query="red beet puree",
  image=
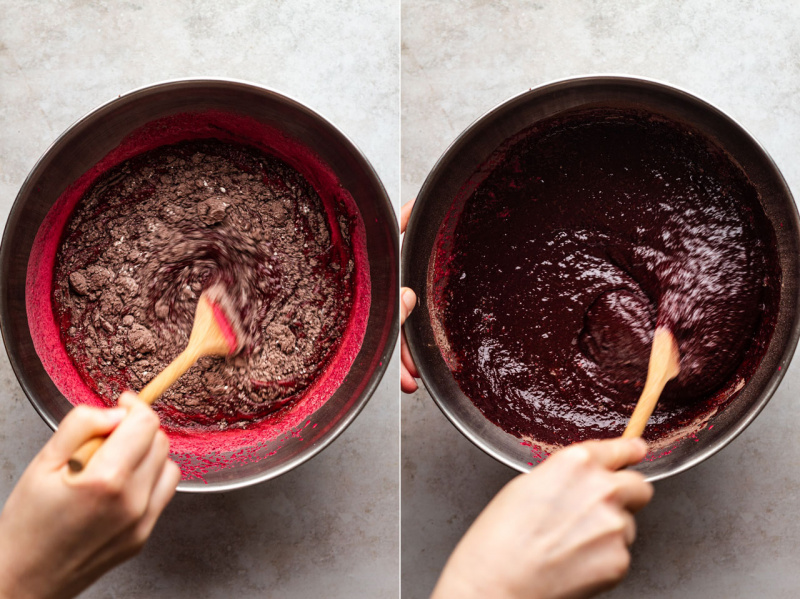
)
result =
(588, 232)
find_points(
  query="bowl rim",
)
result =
(383, 358)
(611, 78)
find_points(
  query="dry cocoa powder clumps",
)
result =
(156, 230)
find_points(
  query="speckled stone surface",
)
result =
(729, 527)
(330, 527)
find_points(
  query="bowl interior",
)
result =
(88, 141)
(452, 174)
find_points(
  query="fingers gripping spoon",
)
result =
(216, 331)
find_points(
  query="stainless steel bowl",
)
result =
(477, 143)
(87, 141)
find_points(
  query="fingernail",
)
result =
(641, 443)
(409, 299)
(128, 396)
(114, 415)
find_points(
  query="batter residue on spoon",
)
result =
(590, 231)
(156, 230)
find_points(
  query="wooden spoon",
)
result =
(664, 365)
(215, 332)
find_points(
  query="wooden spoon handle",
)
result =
(644, 409)
(151, 392)
(664, 365)
(167, 377)
(85, 452)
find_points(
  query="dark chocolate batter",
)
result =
(590, 231)
(155, 231)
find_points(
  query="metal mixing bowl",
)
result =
(86, 142)
(478, 142)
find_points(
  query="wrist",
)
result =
(477, 583)
(10, 585)
(9, 589)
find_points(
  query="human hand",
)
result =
(59, 530)
(408, 300)
(561, 531)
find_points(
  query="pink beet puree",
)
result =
(201, 452)
(224, 326)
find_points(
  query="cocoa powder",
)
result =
(156, 230)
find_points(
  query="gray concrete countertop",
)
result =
(729, 527)
(330, 527)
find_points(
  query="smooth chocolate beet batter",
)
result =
(588, 232)
(156, 230)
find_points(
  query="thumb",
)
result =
(78, 426)
(614, 454)
(408, 301)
